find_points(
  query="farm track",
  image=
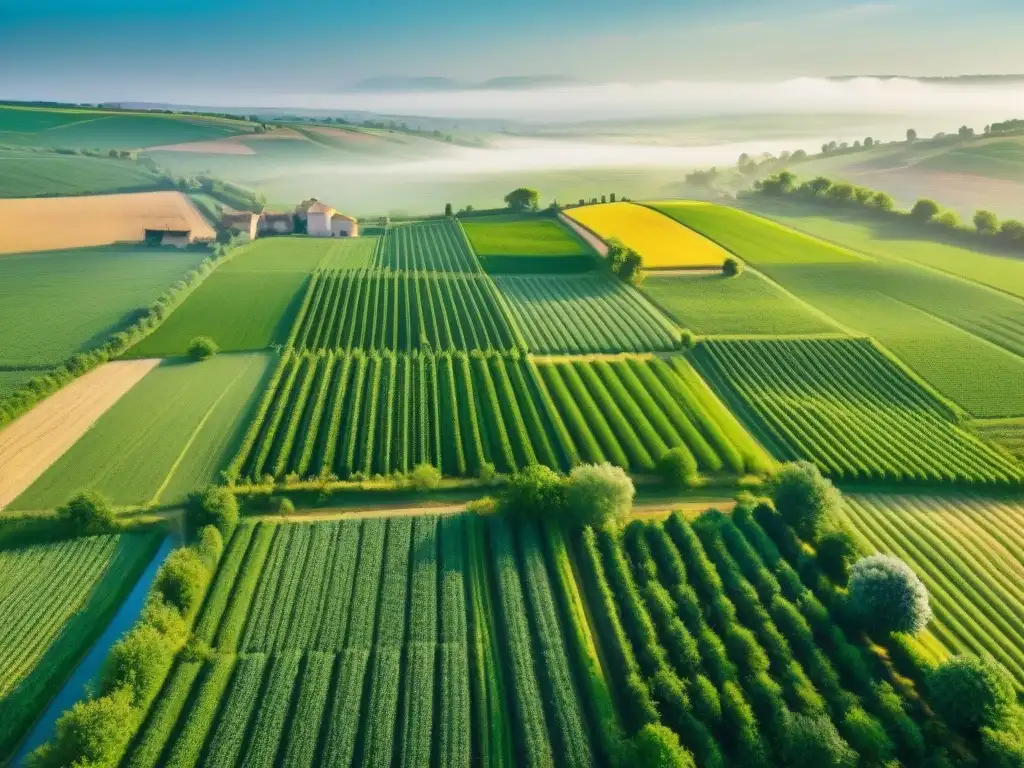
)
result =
(29, 445)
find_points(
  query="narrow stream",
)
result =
(89, 667)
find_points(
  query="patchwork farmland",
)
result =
(384, 383)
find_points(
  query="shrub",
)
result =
(202, 348)
(282, 505)
(425, 477)
(92, 733)
(947, 219)
(887, 596)
(88, 513)
(706, 703)
(535, 492)
(925, 210)
(678, 468)
(181, 580)
(655, 746)
(139, 662)
(814, 742)
(598, 494)
(167, 619)
(867, 736)
(804, 498)
(485, 505)
(836, 551)
(732, 266)
(1003, 748)
(971, 692)
(216, 506)
(210, 546)
(687, 340)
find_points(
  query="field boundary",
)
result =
(23, 454)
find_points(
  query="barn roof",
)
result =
(319, 207)
(342, 216)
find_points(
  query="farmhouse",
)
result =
(244, 222)
(276, 223)
(324, 221)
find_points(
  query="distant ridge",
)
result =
(511, 82)
(953, 79)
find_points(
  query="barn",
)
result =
(324, 221)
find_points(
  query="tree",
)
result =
(678, 468)
(624, 262)
(88, 513)
(532, 493)
(1012, 231)
(522, 199)
(911, 135)
(986, 222)
(836, 550)
(448, 210)
(817, 186)
(947, 219)
(804, 498)
(971, 692)
(925, 210)
(425, 477)
(732, 266)
(882, 201)
(887, 596)
(214, 505)
(93, 732)
(965, 132)
(604, 199)
(138, 661)
(182, 579)
(781, 183)
(841, 192)
(611, 198)
(656, 746)
(814, 742)
(869, 142)
(598, 494)
(202, 348)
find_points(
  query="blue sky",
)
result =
(186, 50)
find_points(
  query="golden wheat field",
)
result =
(663, 243)
(55, 223)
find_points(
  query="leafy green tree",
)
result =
(925, 210)
(804, 497)
(882, 201)
(92, 733)
(138, 661)
(656, 746)
(986, 222)
(817, 186)
(448, 210)
(814, 742)
(1012, 231)
(869, 142)
(732, 266)
(534, 492)
(947, 219)
(523, 198)
(598, 494)
(911, 135)
(678, 468)
(836, 550)
(214, 505)
(425, 477)
(88, 513)
(887, 596)
(971, 692)
(202, 348)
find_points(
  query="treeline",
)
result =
(926, 213)
(236, 196)
(40, 387)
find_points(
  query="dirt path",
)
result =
(31, 443)
(645, 510)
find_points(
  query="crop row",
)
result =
(709, 622)
(429, 609)
(843, 405)
(376, 309)
(437, 246)
(586, 314)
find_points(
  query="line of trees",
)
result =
(925, 212)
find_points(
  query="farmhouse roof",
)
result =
(269, 216)
(342, 216)
(239, 217)
(319, 207)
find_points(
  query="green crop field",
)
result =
(57, 303)
(943, 327)
(527, 244)
(1008, 433)
(55, 600)
(37, 174)
(436, 246)
(898, 240)
(483, 663)
(969, 551)
(170, 434)
(357, 415)
(757, 241)
(847, 408)
(287, 254)
(351, 253)
(583, 314)
(13, 380)
(747, 304)
(240, 311)
(379, 309)
(97, 129)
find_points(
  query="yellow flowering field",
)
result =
(663, 243)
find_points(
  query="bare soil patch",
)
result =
(30, 444)
(57, 223)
